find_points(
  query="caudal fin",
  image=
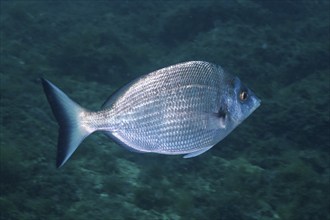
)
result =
(67, 113)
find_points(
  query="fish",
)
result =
(183, 109)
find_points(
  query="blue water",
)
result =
(276, 165)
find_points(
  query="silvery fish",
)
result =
(186, 109)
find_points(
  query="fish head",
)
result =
(241, 102)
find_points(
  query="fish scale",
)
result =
(182, 109)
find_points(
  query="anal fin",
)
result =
(196, 153)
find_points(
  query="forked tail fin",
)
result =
(67, 114)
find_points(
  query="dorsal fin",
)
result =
(114, 96)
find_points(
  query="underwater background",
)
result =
(275, 165)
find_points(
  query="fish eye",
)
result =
(243, 95)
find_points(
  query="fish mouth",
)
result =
(256, 103)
